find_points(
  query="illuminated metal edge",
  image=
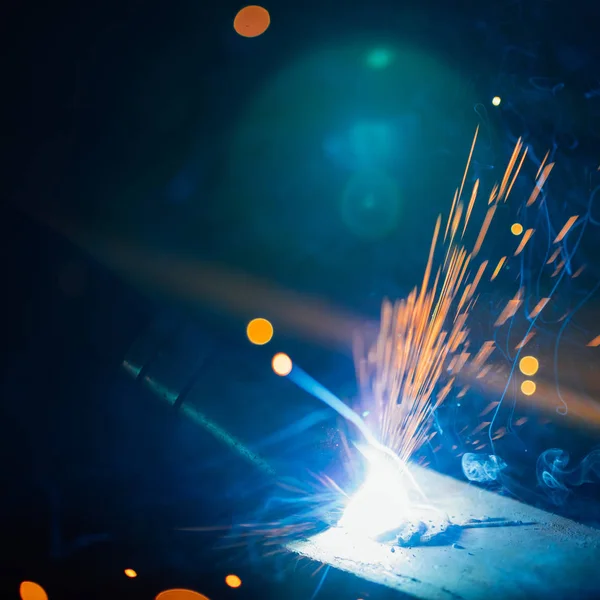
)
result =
(539, 555)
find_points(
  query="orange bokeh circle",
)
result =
(29, 590)
(233, 581)
(252, 21)
(181, 594)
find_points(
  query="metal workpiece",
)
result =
(497, 548)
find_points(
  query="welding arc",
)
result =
(314, 388)
(304, 381)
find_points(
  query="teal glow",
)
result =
(364, 138)
(379, 58)
(371, 143)
(370, 204)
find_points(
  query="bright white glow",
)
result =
(338, 541)
(378, 506)
(381, 504)
(496, 550)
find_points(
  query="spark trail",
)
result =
(423, 340)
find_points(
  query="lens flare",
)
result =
(379, 58)
(516, 229)
(529, 365)
(528, 387)
(282, 364)
(259, 331)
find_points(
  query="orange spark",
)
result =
(470, 207)
(543, 163)
(484, 371)
(526, 236)
(484, 352)
(595, 342)
(510, 309)
(463, 392)
(493, 195)
(497, 269)
(518, 169)
(423, 339)
(558, 268)
(480, 427)
(489, 408)
(484, 229)
(454, 201)
(462, 183)
(539, 307)
(509, 168)
(499, 433)
(566, 228)
(553, 257)
(539, 184)
(525, 340)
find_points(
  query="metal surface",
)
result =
(502, 549)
